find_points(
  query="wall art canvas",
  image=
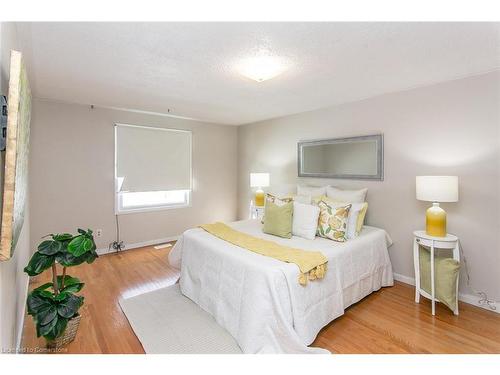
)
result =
(15, 172)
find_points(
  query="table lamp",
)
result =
(436, 189)
(259, 180)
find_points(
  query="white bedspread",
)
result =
(258, 299)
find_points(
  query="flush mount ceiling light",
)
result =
(262, 67)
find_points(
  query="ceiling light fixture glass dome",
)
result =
(262, 67)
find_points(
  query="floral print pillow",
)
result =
(332, 223)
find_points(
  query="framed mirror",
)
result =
(351, 158)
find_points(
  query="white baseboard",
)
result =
(404, 279)
(467, 298)
(131, 246)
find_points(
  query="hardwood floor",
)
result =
(387, 321)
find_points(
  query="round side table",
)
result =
(450, 242)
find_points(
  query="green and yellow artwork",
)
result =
(15, 159)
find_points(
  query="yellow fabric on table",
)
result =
(312, 264)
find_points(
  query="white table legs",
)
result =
(416, 262)
(433, 291)
(456, 256)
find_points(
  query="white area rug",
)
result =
(166, 322)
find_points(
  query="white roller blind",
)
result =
(153, 159)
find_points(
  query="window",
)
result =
(152, 168)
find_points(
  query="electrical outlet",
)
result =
(98, 233)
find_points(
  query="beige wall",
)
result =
(72, 156)
(445, 129)
(13, 281)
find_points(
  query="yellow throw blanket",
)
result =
(312, 264)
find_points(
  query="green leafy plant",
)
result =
(53, 304)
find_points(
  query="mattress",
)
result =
(258, 299)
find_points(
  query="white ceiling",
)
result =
(189, 67)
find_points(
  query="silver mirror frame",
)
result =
(378, 138)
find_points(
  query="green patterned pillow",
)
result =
(332, 222)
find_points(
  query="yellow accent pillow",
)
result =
(361, 218)
(332, 223)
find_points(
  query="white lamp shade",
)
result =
(437, 188)
(259, 179)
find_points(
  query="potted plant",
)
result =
(54, 306)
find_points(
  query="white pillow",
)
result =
(351, 196)
(281, 190)
(305, 220)
(313, 191)
(305, 199)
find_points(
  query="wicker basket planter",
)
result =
(68, 335)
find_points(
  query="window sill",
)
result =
(127, 211)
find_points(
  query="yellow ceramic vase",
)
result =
(435, 221)
(259, 198)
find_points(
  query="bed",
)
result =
(258, 299)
